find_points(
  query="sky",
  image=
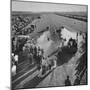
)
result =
(46, 7)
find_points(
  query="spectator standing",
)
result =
(77, 81)
(67, 82)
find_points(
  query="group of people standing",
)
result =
(14, 64)
(26, 50)
(33, 53)
(68, 81)
(36, 56)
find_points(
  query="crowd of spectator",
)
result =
(19, 22)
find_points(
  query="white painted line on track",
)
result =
(24, 74)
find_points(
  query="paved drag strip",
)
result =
(27, 80)
(24, 75)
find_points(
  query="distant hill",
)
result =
(84, 14)
(15, 13)
(59, 13)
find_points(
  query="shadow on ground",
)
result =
(65, 55)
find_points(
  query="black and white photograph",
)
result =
(48, 44)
